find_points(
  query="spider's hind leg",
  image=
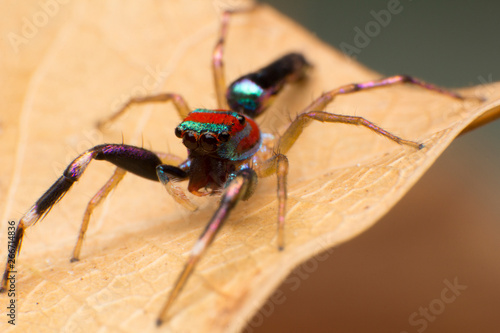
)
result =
(218, 63)
(179, 103)
(251, 94)
(314, 110)
(328, 97)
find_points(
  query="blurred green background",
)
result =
(448, 225)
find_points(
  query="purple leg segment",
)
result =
(328, 97)
(406, 79)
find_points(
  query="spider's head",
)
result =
(220, 134)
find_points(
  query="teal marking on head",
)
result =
(203, 127)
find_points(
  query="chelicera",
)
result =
(227, 152)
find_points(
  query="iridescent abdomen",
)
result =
(253, 93)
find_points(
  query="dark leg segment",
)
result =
(243, 183)
(133, 159)
(12, 253)
(45, 203)
(137, 160)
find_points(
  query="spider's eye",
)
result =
(178, 132)
(189, 140)
(241, 119)
(224, 137)
(208, 142)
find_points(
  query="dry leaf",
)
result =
(84, 61)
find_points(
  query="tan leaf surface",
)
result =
(91, 56)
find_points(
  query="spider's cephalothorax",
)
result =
(225, 151)
(218, 143)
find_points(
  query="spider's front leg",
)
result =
(137, 160)
(240, 187)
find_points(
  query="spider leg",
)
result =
(278, 164)
(93, 203)
(178, 101)
(137, 160)
(297, 126)
(303, 119)
(97, 199)
(218, 63)
(325, 99)
(239, 188)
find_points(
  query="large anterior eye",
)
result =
(224, 137)
(178, 132)
(208, 142)
(241, 119)
(189, 140)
